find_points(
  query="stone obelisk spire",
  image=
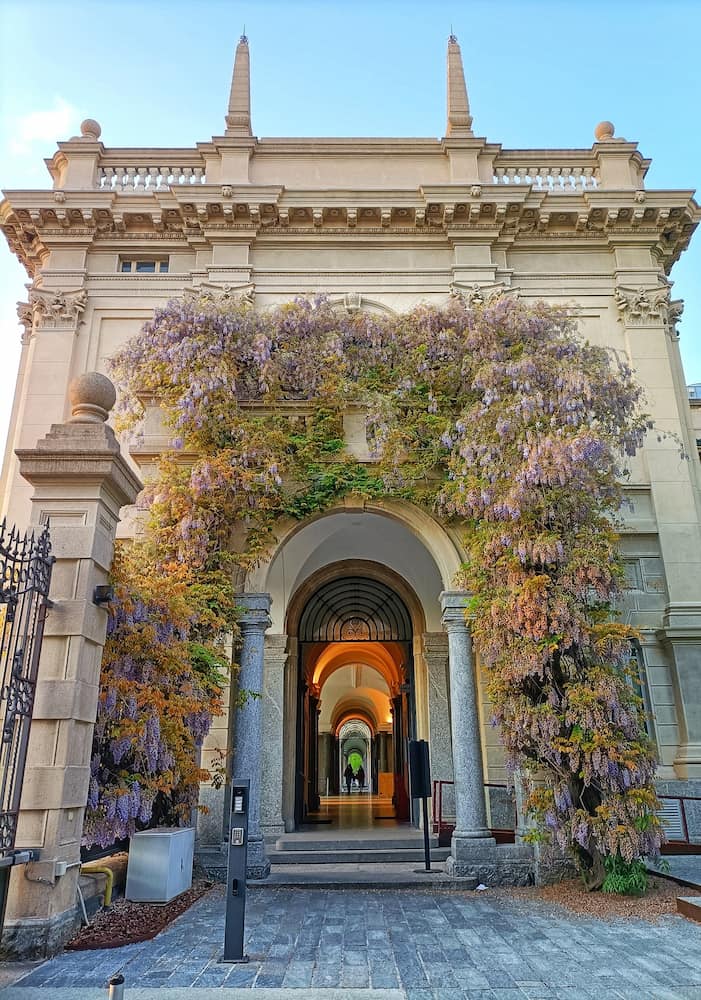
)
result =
(459, 117)
(238, 119)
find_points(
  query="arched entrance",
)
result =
(389, 541)
(355, 693)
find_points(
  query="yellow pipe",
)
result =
(101, 870)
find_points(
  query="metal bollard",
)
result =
(116, 987)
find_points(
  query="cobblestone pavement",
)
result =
(416, 945)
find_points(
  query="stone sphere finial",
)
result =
(92, 396)
(90, 129)
(604, 131)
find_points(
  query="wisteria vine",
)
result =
(497, 417)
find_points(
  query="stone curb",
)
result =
(194, 993)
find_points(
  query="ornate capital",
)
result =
(255, 612)
(453, 608)
(56, 308)
(648, 307)
(25, 315)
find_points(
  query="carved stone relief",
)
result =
(478, 295)
(224, 293)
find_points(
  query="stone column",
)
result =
(289, 737)
(248, 730)
(435, 653)
(271, 821)
(471, 846)
(313, 776)
(81, 482)
(325, 762)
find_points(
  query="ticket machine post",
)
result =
(236, 872)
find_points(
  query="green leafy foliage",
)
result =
(626, 878)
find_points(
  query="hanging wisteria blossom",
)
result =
(497, 418)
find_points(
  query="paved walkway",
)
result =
(685, 867)
(389, 945)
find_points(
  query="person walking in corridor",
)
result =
(348, 777)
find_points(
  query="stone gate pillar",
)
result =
(473, 849)
(81, 481)
(248, 732)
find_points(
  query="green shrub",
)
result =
(626, 878)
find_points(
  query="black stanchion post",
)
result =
(236, 873)
(420, 779)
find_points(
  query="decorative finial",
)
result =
(238, 119)
(90, 129)
(459, 118)
(452, 37)
(91, 396)
(604, 131)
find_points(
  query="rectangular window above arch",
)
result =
(144, 266)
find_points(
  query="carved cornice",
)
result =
(34, 221)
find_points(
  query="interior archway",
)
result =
(356, 669)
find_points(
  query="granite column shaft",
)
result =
(471, 831)
(248, 733)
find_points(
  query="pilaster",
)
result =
(272, 751)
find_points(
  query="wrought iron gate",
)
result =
(25, 576)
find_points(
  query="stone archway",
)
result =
(391, 541)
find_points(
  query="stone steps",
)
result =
(365, 876)
(307, 842)
(355, 856)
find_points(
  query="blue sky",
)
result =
(539, 74)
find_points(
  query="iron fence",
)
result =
(25, 578)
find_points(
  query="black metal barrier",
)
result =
(236, 877)
(420, 785)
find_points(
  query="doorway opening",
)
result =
(356, 706)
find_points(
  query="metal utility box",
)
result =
(160, 864)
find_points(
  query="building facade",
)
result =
(352, 628)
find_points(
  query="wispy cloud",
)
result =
(49, 125)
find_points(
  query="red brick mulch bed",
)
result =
(129, 923)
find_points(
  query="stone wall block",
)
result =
(65, 699)
(60, 787)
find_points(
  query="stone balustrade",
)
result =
(147, 177)
(564, 177)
